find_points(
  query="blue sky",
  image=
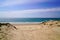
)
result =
(29, 8)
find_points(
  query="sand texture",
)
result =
(49, 30)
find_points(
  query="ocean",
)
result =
(27, 19)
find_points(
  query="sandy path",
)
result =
(36, 32)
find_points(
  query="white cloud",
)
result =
(34, 10)
(23, 13)
(15, 2)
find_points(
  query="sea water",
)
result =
(26, 20)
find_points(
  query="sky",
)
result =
(29, 8)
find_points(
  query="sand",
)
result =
(44, 31)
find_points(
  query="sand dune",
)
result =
(44, 31)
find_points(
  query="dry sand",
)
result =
(44, 31)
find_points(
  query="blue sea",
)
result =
(27, 19)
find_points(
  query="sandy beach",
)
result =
(44, 31)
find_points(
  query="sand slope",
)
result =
(45, 31)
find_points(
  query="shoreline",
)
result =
(22, 22)
(27, 22)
